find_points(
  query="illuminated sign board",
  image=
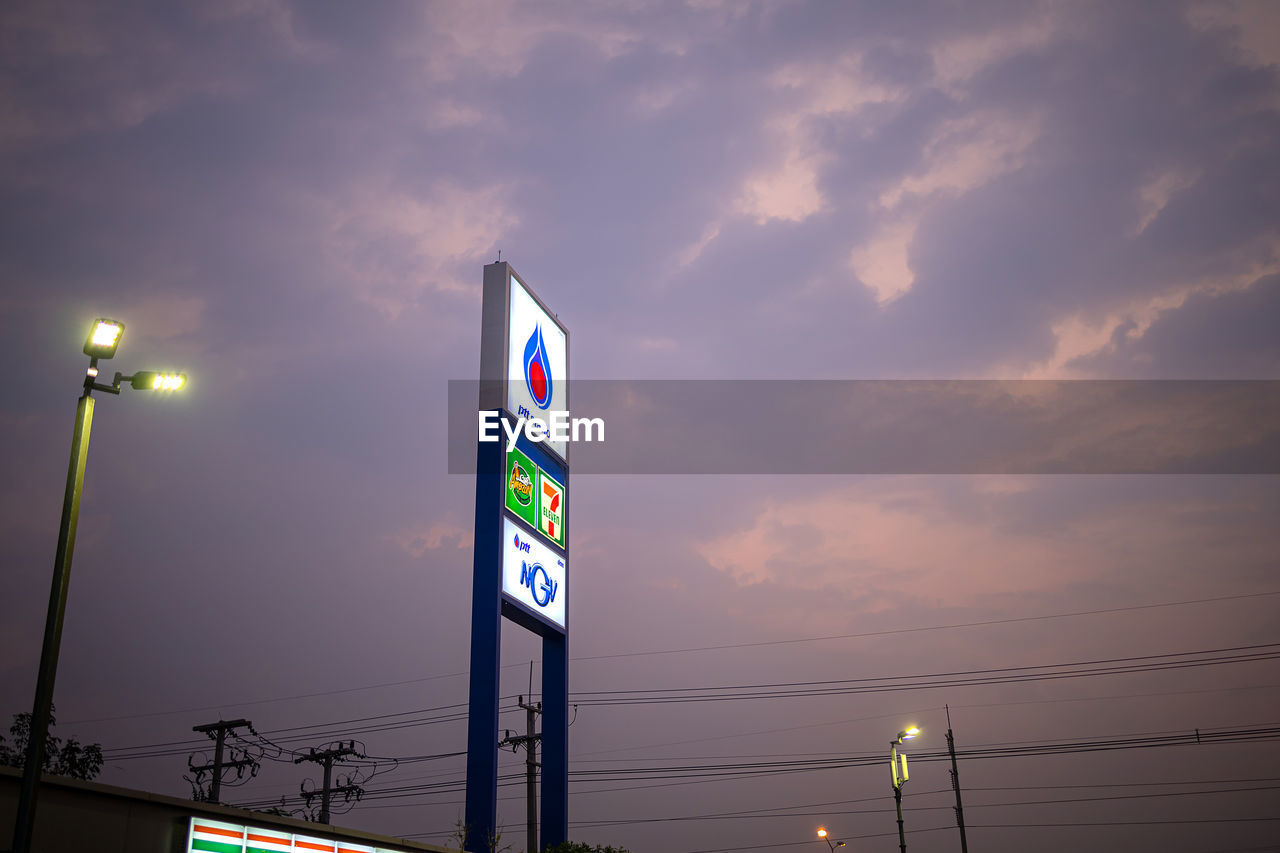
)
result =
(536, 497)
(521, 553)
(537, 360)
(215, 836)
(533, 575)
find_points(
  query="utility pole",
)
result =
(218, 732)
(897, 800)
(955, 783)
(530, 742)
(326, 759)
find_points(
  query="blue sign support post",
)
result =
(521, 562)
(481, 820)
(555, 739)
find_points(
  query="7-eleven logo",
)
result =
(551, 506)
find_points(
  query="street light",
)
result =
(103, 338)
(825, 836)
(102, 342)
(150, 380)
(898, 773)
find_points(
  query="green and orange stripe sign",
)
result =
(212, 836)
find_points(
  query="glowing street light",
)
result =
(825, 836)
(102, 342)
(104, 338)
(150, 380)
(898, 773)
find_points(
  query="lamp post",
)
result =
(101, 344)
(898, 773)
(826, 836)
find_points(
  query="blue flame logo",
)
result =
(537, 369)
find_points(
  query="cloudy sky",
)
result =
(293, 203)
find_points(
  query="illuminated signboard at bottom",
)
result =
(533, 574)
(215, 836)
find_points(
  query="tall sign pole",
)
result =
(521, 563)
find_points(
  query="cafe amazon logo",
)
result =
(521, 484)
(522, 499)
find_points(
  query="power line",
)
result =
(758, 814)
(917, 711)
(683, 650)
(1176, 821)
(1120, 696)
(958, 678)
(316, 695)
(662, 777)
(892, 631)
(808, 842)
(304, 732)
(1122, 784)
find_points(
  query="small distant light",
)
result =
(822, 832)
(93, 371)
(104, 338)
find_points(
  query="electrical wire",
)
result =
(690, 774)
(959, 678)
(691, 649)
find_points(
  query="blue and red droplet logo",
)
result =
(537, 369)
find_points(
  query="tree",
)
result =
(462, 832)
(79, 761)
(579, 847)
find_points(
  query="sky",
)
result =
(293, 203)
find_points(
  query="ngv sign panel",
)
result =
(533, 575)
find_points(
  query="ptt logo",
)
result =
(544, 589)
(524, 548)
(537, 369)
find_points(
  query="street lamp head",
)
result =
(151, 380)
(824, 835)
(103, 338)
(908, 733)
